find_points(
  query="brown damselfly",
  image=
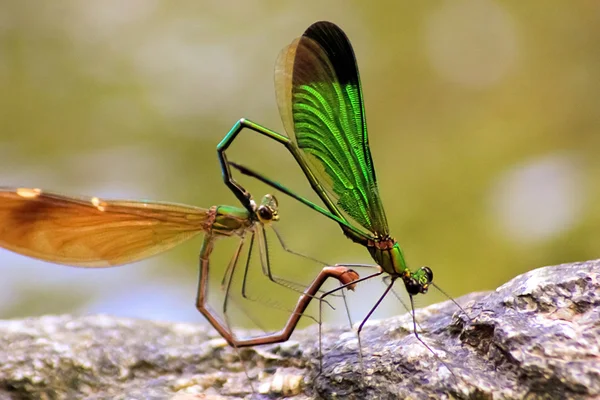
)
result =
(91, 232)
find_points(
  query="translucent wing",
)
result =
(321, 105)
(90, 232)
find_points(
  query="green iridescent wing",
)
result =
(321, 105)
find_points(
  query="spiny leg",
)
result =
(266, 266)
(228, 280)
(344, 275)
(266, 261)
(228, 277)
(296, 253)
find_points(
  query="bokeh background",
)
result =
(484, 124)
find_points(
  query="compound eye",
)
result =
(265, 213)
(428, 273)
(274, 200)
(412, 286)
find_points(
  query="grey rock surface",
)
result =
(537, 336)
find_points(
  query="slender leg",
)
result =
(226, 285)
(233, 265)
(287, 249)
(266, 264)
(231, 270)
(228, 280)
(201, 298)
(228, 275)
(344, 275)
(412, 306)
(387, 290)
(359, 330)
(264, 254)
(452, 300)
(247, 267)
(370, 266)
(296, 253)
(321, 301)
(265, 261)
(386, 280)
(329, 293)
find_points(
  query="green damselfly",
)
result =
(321, 105)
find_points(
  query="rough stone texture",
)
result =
(537, 336)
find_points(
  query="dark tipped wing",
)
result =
(90, 232)
(321, 105)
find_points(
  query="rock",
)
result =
(537, 336)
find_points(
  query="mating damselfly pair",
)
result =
(321, 104)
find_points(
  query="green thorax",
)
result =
(388, 255)
(228, 221)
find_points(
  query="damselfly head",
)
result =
(267, 211)
(419, 281)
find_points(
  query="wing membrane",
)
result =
(321, 105)
(90, 232)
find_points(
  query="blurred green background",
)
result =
(484, 126)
